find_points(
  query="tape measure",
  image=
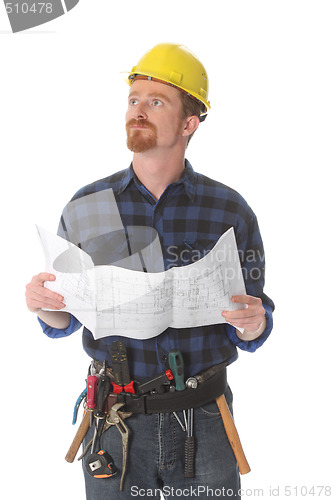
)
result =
(100, 465)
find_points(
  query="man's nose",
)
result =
(140, 111)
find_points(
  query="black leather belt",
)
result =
(211, 384)
(206, 391)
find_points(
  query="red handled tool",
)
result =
(99, 464)
(92, 381)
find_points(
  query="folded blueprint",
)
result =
(115, 300)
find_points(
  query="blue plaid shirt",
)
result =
(189, 217)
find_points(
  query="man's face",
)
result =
(154, 116)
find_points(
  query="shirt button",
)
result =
(164, 357)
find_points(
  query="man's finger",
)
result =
(47, 296)
(37, 304)
(239, 314)
(42, 277)
(39, 296)
(44, 297)
(42, 291)
(245, 299)
(247, 324)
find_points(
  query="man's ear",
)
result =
(191, 123)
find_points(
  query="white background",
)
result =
(268, 135)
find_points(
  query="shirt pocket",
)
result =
(187, 251)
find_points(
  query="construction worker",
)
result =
(168, 99)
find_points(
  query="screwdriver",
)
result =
(189, 446)
(176, 364)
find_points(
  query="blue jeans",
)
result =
(156, 459)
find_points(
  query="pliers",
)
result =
(122, 381)
(114, 418)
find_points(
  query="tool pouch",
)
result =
(111, 400)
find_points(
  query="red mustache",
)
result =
(140, 123)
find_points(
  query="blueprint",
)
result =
(114, 300)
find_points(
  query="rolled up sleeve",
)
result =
(57, 333)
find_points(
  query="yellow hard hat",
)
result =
(176, 65)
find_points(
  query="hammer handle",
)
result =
(79, 436)
(232, 434)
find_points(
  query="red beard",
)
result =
(139, 140)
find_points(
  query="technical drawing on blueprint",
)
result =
(112, 300)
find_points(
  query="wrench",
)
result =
(107, 425)
(114, 418)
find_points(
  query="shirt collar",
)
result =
(189, 179)
(128, 176)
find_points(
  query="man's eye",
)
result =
(157, 102)
(133, 102)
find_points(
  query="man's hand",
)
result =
(38, 296)
(252, 319)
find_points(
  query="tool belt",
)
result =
(178, 400)
(112, 396)
(211, 383)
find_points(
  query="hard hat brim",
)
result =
(130, 76)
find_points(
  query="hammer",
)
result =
(232, 434)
